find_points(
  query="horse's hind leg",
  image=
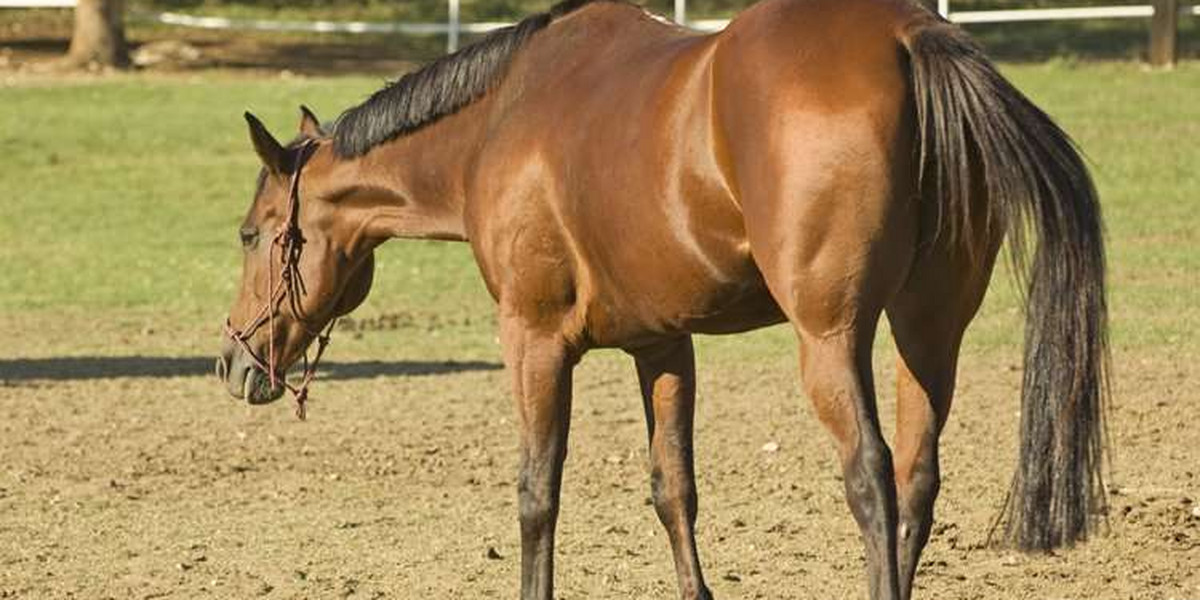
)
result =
(834, 240)
(836, 371)
(928, 318)
(667, 374)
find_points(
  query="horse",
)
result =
(624, 182)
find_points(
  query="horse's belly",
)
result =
(742, 312)
(670, 302)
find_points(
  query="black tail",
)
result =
(979, 134)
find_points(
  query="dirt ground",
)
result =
(135, 476)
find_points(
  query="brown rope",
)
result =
(290, 285)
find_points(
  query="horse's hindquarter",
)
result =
(813, 97)
(600, 194)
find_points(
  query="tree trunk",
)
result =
(99, 37)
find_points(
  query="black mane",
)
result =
(439, 88)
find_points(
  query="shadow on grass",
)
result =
(111, 367)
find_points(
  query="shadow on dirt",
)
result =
(111, 367)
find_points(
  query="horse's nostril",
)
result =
(222, 368)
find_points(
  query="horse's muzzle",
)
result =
(242, 379)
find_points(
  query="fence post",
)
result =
(452, 34)
(1164, 33)
(680, 11)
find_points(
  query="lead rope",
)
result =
(290, 240)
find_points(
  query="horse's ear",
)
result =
(310, 125)
(272, 154)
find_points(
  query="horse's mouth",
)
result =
(248, 383)
(257, 389)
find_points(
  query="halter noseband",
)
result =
(290, 285)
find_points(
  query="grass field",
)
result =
(118, 259)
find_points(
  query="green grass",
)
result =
(122, 198)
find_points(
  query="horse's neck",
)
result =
(425, 171)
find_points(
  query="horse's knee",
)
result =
(536, 512)
(673, 495)
(537, 504)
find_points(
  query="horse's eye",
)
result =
(249, 236)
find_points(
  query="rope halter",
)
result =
(289, 287)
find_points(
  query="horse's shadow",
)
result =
(112, 367)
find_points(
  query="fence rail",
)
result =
(1163, 15)
(1051, 14)
(37, 3)
(172, 18)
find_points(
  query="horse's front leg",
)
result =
(541, 367)
(667, 374)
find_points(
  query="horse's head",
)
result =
(306, 261)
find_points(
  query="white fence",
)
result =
(37, 3)
(1163, 27)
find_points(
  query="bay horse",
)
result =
(625, 182)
